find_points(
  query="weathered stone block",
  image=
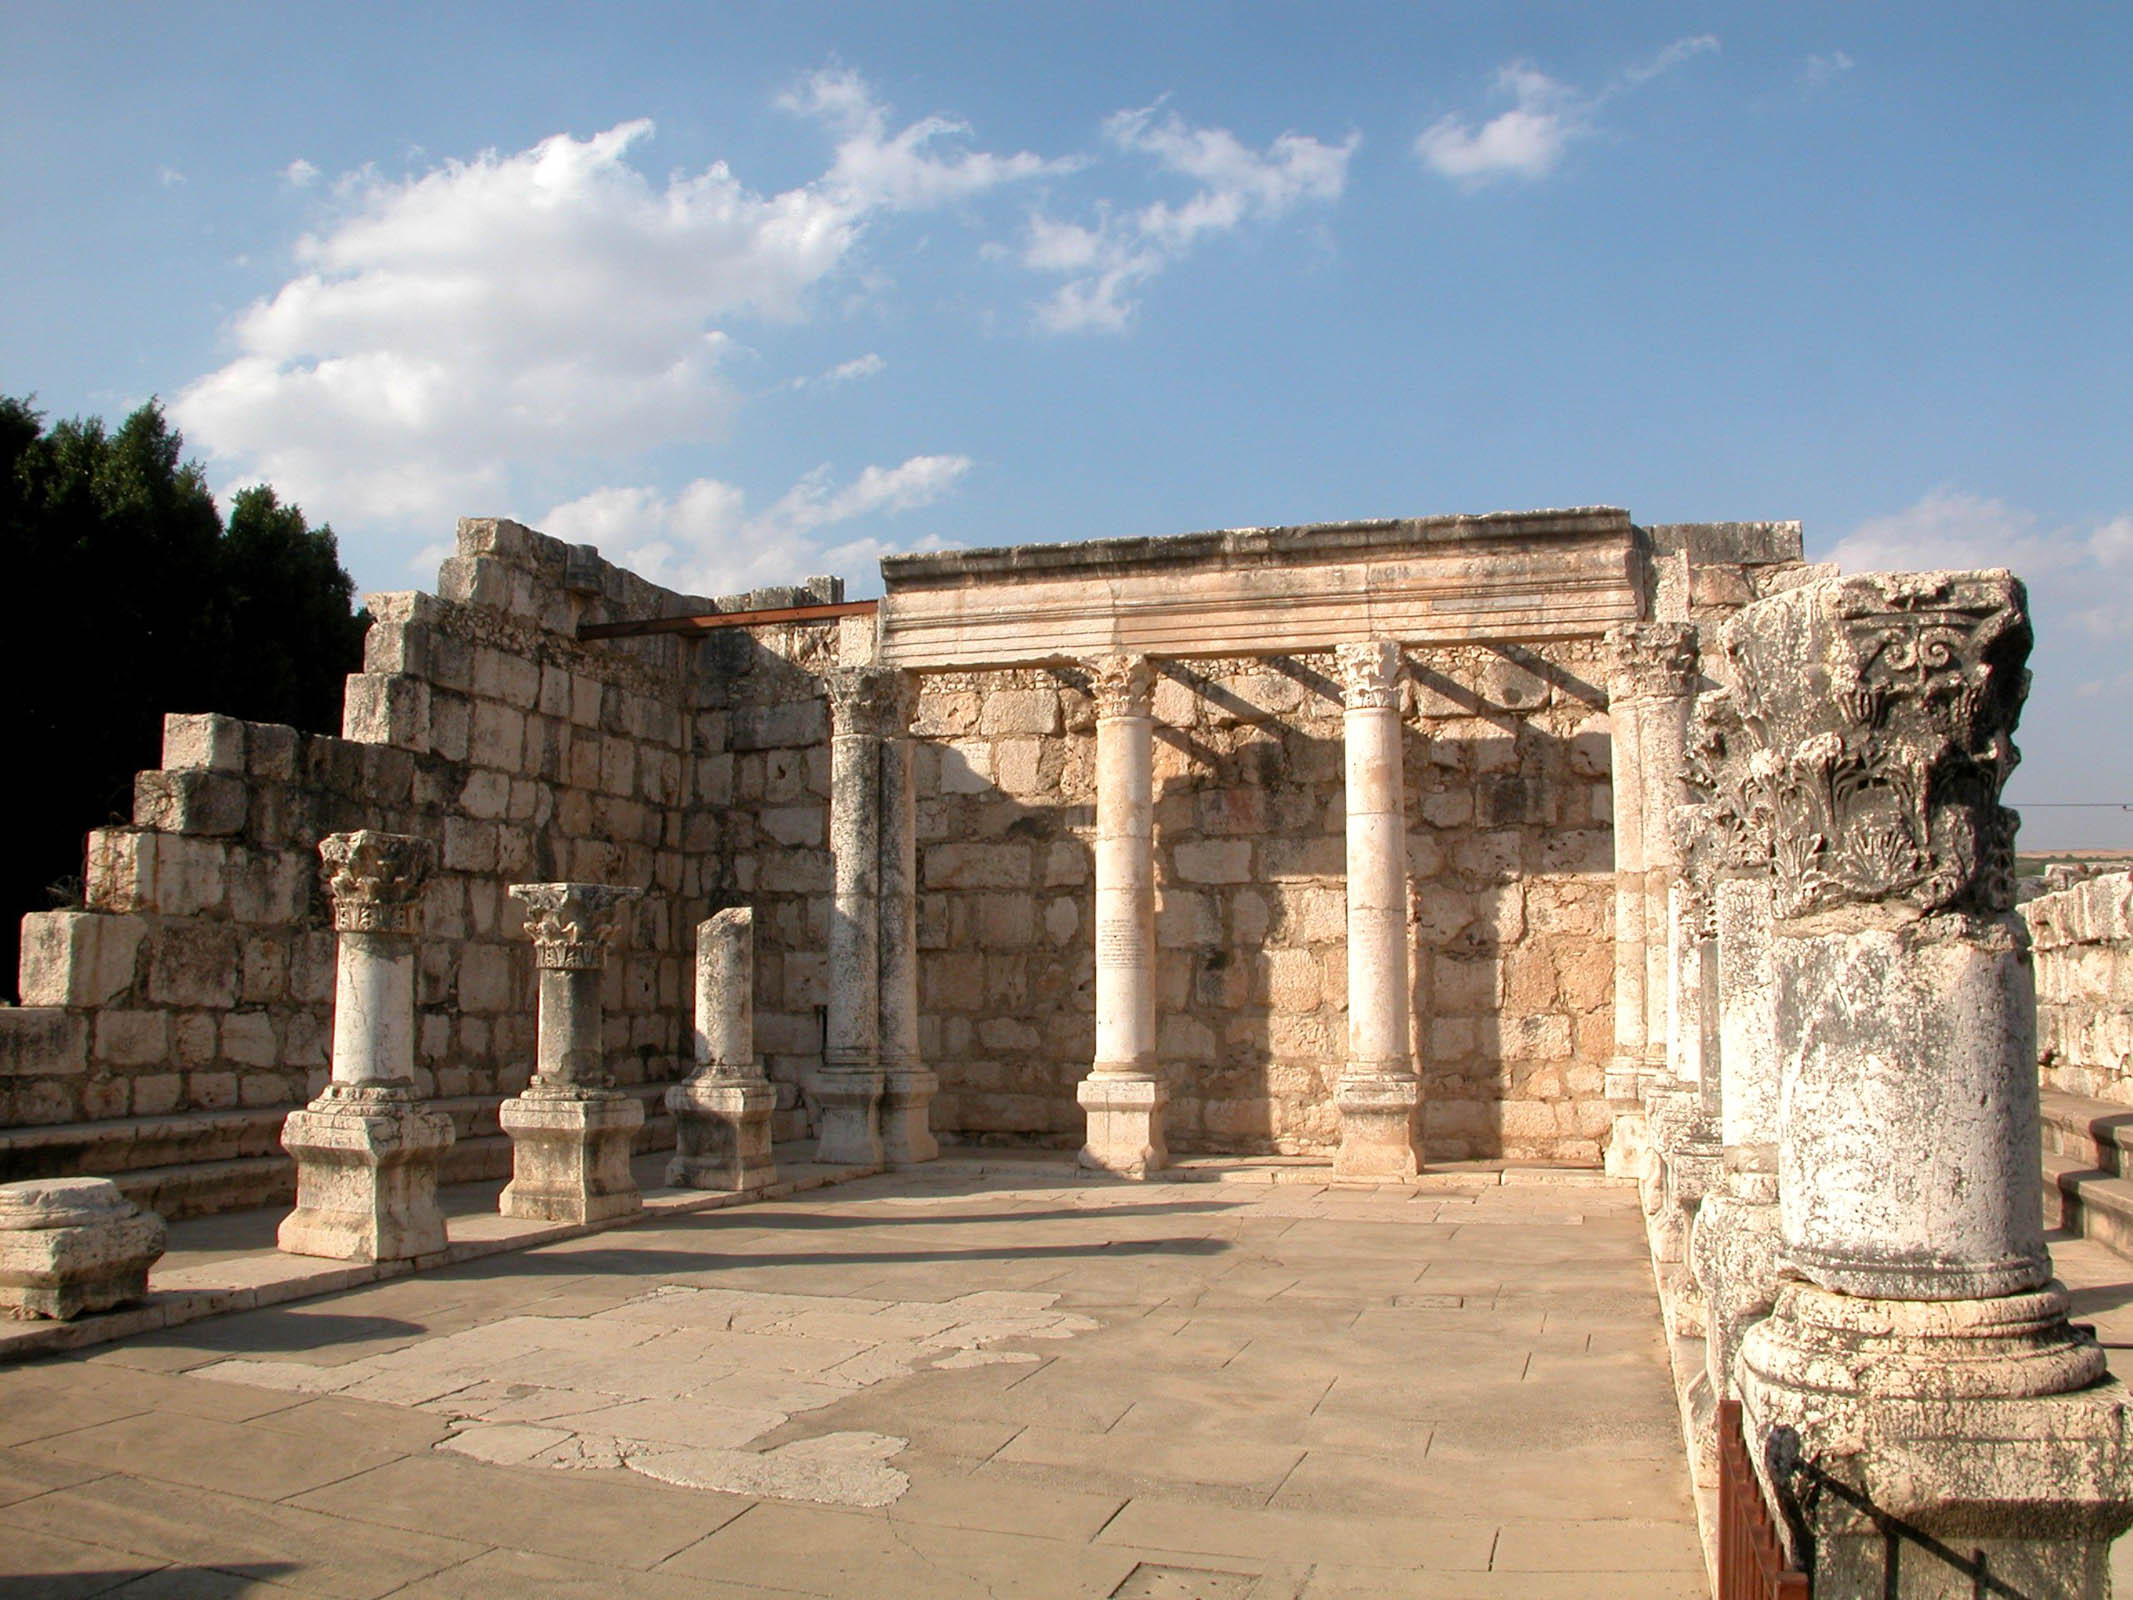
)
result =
(212, 803)
(1006, 711)
(193, 964)
(1214, 860)
(378, 708)
(128, 1038)
(42, 1042)
(120, 872)
(77, 958)
(203, 742)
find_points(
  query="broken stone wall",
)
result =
(2083, 940)
(175, 1016)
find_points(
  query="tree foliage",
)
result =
(130, 598)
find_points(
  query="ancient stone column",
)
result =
(1379, 1095)
(572, 1129)
(367, 1150)
(1932, 1424)
(1652, 672)
(866, 708)
(907, 1084)
(1124, 1092)
(722, 1109)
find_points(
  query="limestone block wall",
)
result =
(197, 977)
(1510, 868)
(2083, 938)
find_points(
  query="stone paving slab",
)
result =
(978, 1378)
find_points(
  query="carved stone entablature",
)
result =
(1370, 675)
(1653, 661)
(572, 924)
(870, 700)
(1122, 685)
(1880, 709)
(1727, 831)
(376, 880)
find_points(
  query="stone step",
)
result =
(2085, 1200)
(244, 1164)
(2099, 1132)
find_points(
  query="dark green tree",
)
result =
(130, 599)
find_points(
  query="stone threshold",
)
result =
(250, 1279)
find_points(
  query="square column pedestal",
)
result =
(366, 1175)
(1125, 1130)
(1378, 1127)
(570, 1154)
(721, 1134)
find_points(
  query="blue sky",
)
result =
(744, 292)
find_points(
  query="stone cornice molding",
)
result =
(1370, 675)
(573, 924)
(376, 880)
(1879, 710)
(872, 701)
(1122, 686)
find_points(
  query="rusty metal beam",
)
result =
(726, 619)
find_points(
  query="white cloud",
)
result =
(299, 174)
(906, 171)
(522, 319)
(170, 177)
(1545, 118)
(1526, 141)
(1234, 185)
(704, 540)
(1822, 71)
(858, 369)
(2067, 569)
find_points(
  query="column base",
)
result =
(1380, 1118)
(1125, 1131)
(1903, 1475)
(73, 1245)
(721, 1133)
(366, 1175)
(851, 1124)
(570, 1154)
(907, 1116)
(1733, 1246)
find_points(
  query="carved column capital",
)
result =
(1726, 831)
(1370, 675)
(870, 700)
(1652, 661)
(1880, 709)
(573, 924)
(376, 880)
(1122, 686)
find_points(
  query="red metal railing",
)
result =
(1751, 1557)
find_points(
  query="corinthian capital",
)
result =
(376, 880)
(1881, 711)
(1370, 675)
(573, 924)
(1652, 661)
(870, 700)
(1121, 685)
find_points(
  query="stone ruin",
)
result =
(1535, 837)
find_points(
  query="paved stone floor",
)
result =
(957, 1382)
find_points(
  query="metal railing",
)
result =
(1751, 1556)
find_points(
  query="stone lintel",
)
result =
(1266, 591)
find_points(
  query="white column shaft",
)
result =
(1125, 896)
(374, 1009)
(1378, 1042)
(853, 1023)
